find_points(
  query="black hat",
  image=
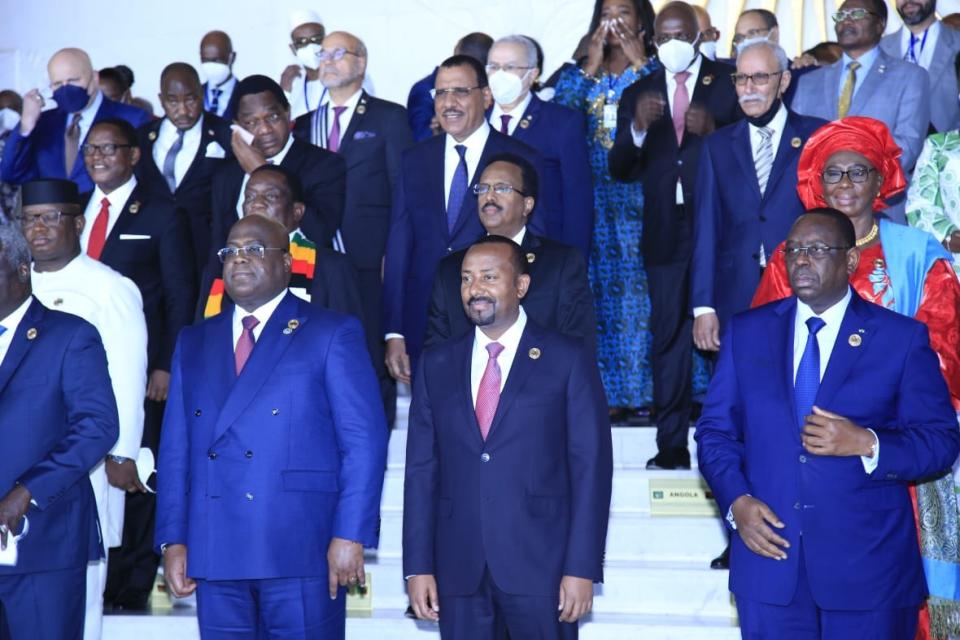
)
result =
(50, 192)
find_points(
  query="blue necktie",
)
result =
(458, 189)
(808, 373)
(215, 101)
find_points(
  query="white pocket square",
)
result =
(133, 236)
(214, 150)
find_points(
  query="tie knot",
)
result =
(338, 110)
(765, 132)
(682, 76)
(494, 349)
(105, 203)
(814, 324)
(249, 322)
(217, 92)
(853, 66)
(461, 149)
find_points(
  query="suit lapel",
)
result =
(529, 118)
(743, 152)
(857, 321)
(218, 361)
(267, 352)
(870, 84)
(469, 206)
(781, 349)
(359, 115)
(207, 135)
(785, 151)
(131, 208)
(831, 89)
(32, 324)
(465, 364)
(941, 53)
(523, 366)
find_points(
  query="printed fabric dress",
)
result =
(933, 200)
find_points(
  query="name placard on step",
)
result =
(681, 497)
(360, 599)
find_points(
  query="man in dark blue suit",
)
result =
(745, 208)
(509, 468)
(272, 454)
(822, 410)
(559, 134)
(58, 419)
(47, 144)
(435, 210)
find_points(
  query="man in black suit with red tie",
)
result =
(181, 152)
(661, 122)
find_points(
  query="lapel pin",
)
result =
(211, 133)
(882, 68)
(152, 136)
(796, 142)
(58, 302)
(531, 257)
(135, 207)
(534, 353)
(31, 333)
(707, 81)
(361, 109)
(291, 327)
(854, 340)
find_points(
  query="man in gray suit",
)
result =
(923, 40)
(869, 82)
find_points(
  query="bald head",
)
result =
(677, 12)
(216, 46)
(72, 66)
(703, 18)
(346, 40)
(271, 232)
(179, 72)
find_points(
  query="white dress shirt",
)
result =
(515, 115)
(167, 136)
(261, 313)
(520, 236)
(474, 143)
(305, 95)
(118, 200)
(924, 46)
(478, 363)
(277, 159)
(345, 117)
(226, 92)
(10, 324)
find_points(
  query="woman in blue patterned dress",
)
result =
(617, 57)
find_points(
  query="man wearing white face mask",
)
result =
(216, 60)
(10, 106)
(709, 35)
(661, 122)
(558, 133)
(301, 81)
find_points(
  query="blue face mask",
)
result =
(71, 98)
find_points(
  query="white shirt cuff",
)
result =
(392, 336)
(730, 520)
(638, 136)
(870, 463)
(702, 311)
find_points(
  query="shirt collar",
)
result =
(518, 110)
(261, 313)
(65, 270)
(167, 128)
(350, 103)
(932, 31)
(693, 69)
(278, 159)
(510, 338)
(87, 114)
(832, 316)
(118, 197)
(866, 60)
(476, 139)
(12, 321)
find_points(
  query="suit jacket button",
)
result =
(275, 412)
(763, 218)
(248, 454)
(485, 457)
(803, 459)
(249, 496)
(212, 455)
(198, 413)
(796, 505)
(679, 163)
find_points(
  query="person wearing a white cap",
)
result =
(301, 81)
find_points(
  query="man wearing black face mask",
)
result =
(47, 143)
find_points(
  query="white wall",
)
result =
(406, 38)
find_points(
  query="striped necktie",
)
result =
(764, 158)
(846, 93)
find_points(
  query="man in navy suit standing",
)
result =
(509, 468)
(58, 419)
(822, 410)
(435, 210)
(559, 134)
(47, 143)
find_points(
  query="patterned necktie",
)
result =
(245, 343)
(333, 144)
(458, 189)
(764, 159)
(681, 102)
(846, 93)
(71, 142)
(170, 162)
(488, 395)
(215, 102)
(98, 232)
(808, 372)
(505, 124)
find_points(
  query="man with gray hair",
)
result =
(557, 132)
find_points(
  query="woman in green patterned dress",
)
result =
(933, 201)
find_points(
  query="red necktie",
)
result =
(98, 232)
(245, 343)
(488, 395)
(681, 102)
(505, 125)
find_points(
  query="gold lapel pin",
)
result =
(882, 68)
(152, 136)
(31, 333)
(525, 123)
(211, 133)
(135, 208)
(855, 340)
(361, 109)
(707, 81)
(796, 142)
(531, 257)
(534, 353)
(291, 327)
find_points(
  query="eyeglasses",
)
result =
(759, 79)
(47, 218)
(814, 252)
(336, 54)
(460, 93)
(666, 37)
(108, 149)
(250, 251)
(749, 35)
(852, 14)
(857, 175)
(509, 68)
(501, 188)
(300, 43)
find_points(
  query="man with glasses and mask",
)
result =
(558, 133)
(867, 81)
(216, 61)
(66, 279)
(661, 122)
(301, 81)
(435, 211)
(47, 141)
(824, 408)
(272, 457)
(923, 40)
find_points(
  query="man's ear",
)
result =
(298, 210)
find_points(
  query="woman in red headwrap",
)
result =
(854, 165)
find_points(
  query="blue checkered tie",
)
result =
(808, 373)
(458, 189)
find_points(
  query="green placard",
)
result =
(360, 599)
(681, 497)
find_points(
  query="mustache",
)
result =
(492, 205)
(752, 97)
(452, 112)
(481, 299)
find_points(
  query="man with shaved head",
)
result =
(181, 152)
(47, 143)
(272, 453)
(216, 60)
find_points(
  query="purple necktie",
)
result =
(458, 189)
(505, 124)
(333, 144)
(245, 343)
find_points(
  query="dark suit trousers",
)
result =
(371, 296)
(48, 605)
(672, 327)
(492, 614)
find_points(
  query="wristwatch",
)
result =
(118, 459)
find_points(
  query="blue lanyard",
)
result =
(923, 43)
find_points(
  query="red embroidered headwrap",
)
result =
(866, 136)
